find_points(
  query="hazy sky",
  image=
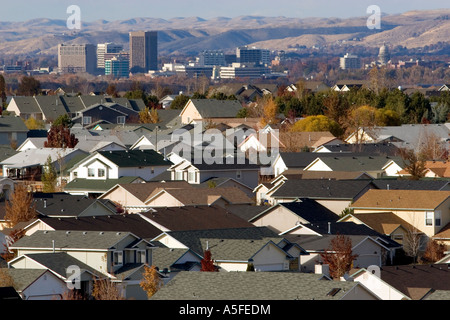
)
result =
(21, 10)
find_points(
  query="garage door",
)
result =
(364, 261)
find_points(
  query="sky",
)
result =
(110, 10)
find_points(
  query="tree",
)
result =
(5, 278)
(63, 120)
(151, 282)
(316, 123)
(105, 289)
(33, 124)
(339, 256)
(49, 176)
(60, 137)
(243, 113)
(414, 165)
(2, 92)
(20, 207)
(29, 86)
(149, 115)
(111, 90)
(270, 111)
(412, 243)
(13, 236)
(434, 251)
(208, 263)
(179, 102)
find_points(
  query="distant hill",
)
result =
(193, 34)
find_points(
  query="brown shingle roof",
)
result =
(401, 199)
(196, 218)
(444, 233)
(143, 190)
(383, 222)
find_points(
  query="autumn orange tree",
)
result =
(434, 251)
(20, 207)
(208, 263)
(269, 111)
(151, 282)
(105, 289)
(339, 256)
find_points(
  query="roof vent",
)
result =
(101, 233)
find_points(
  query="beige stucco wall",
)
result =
(122, 197)
(164, 200)
(190, 113)
(279, 219)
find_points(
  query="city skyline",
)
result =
(20, 10)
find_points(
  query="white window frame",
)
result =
(179, 175)
(191, 176)
(121, 119)
(429, 218)
(101, 170)
(118, 258)
(141, 256)
(87, 120)
(91, 173)
(437, 218)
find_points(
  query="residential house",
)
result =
(236, 248)
(120, 256)
(107, 113)
(29, 164)
(132, 197)
(382, 149)
(428, 211)
(284, 216)
(37, 284)
(170, 262)
(94, 188)
(408, 184)
(13, 131)
(336, 195)
(104, 165)
(347, 85)
(62, 204)
(198, 109)
(433, 169)
(416, 282)
(375, 166)
(198, 170)
(193, 218)
(409, 136)
(225, 286)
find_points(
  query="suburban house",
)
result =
(336, 195)
(37, 284)
(433, 169)
(29, 164)
(225, 286)
(107, 113)
(199, 109)
(95, 187)
(200, 170)
(236, 248)
(427, 211)
(284, 216)
(117, 255)
(104, 165)
(62, 204)
(13, 131)
(375, 166)
(410, 282)
(193, 218)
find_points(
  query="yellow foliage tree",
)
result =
(151, 281)
(149, 115)
(316, 123)
(270, 111)
(33, 124)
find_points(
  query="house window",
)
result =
(429, 218)
(140, 256)
(238, 174)
(437, 218)
(101, 173)
(178, 175)
(87, 120)
(91, 172)
(191, 176)
(118, 258)
(75, 174)
(121, 119)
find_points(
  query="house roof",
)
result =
(322, 189)
(301, 139)
(97, 185)
(118, 222)
(229, 243)
(383, 222)
(12, 124)
(444, 233)
(58, 262)
(330, 175)
(144, 190)
(37, 156)
(63, 204)
(135, 158)
(207, 196)
(416, 281)
(102, 240)
(245, 211)
(358, 163)
(308, 209)
(407, 184)
(401, 199)
(212, 108)
(252, 286)
(386, 149)
(23, 278)
(195, 218)
(168, 257)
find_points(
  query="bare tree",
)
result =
(412, 243)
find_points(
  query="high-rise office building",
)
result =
(143, 51)
(247, 55)
(350, 61)
(212, 58)
(77, 58)
(104, 48)
(117, 66)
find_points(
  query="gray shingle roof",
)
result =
(251, 286)
(135, 158)
(12, 124)
(359, 163)
(96, 185)
(212, 108)
(71, 240)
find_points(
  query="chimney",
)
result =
(53, 245)
(322, 269)
(329, 227)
